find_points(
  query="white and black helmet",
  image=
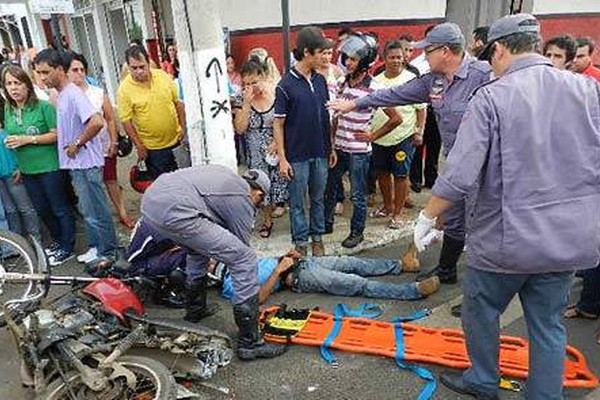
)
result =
(361, 46)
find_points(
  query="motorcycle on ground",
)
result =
(79, 345)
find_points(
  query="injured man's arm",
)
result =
(268, 287)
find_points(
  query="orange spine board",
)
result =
(445, 347)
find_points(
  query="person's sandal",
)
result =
(395, 224)
(265, 230)
(379, 213)
(278, 212)
(573, 312)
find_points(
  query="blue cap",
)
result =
(446, 33)
(509, 25)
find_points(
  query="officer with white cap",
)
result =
(529, 147)
(210, 210)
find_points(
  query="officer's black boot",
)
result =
(250, 342)
(446, 269)
(170, 292)
(195, 302)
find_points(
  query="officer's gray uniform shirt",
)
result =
(530, 143)
(208, 210)
(448, 99)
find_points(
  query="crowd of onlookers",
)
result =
(60, 134)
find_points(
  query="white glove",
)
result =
(423, 227)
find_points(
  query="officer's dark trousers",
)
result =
(204, 240)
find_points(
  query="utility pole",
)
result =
(285, 23)
(201, 52)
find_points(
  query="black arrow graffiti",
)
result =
(218, 71)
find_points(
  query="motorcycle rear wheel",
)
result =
(155, 382)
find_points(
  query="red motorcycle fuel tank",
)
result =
(115, 296)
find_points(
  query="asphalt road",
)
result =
(302, 374)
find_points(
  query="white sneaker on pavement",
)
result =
(88, 256)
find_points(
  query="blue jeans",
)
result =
(311, 175)
(161, 161)
(99, 227)
(357, 165)
(48, 193)
(20, 213)
(345, 276)
(544, 298)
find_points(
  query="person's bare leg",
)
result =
(401, 187)
(116, 196)
(385, 184)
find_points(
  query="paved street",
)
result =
(301, 374)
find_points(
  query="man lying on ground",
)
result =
(341, 276)
(152, 254)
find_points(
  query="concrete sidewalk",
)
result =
(376, 233)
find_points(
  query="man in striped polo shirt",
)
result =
(353, 137)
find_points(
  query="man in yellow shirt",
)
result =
(393, 153)
(151, 113)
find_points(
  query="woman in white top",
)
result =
(77, 74)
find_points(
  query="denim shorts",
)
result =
(395, 159)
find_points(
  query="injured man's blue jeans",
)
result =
(345, 276)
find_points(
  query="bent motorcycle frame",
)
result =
(93, 378)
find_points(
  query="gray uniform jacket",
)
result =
(448, 99)
(530, 144)
(213, 192)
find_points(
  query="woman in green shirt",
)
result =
(31, 127)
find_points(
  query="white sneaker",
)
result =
(88, 256)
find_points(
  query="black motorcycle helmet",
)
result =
(124, 146)
(361, 46)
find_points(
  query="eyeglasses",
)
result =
(430, 50)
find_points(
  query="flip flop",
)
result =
(395, 224)
(379, 213)
(572, 312)
(265, 230)
(278, 212)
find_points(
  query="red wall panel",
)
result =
(271, 40)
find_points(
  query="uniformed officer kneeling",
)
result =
(210, 211)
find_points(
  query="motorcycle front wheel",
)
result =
(154, 382)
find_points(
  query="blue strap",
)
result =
(414, 316)
(423, 373)
(342, 310)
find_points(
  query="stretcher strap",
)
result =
(423, 373)
(341, 310)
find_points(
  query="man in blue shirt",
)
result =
(152, 254)
(340, 276)
(302, 133)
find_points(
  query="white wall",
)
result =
(247, 14)
(541, 7)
